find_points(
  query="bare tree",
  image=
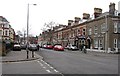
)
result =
(19, 33)
(48, 27)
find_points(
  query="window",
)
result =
(10, 32)
(78, 31)
(95, 30)
(118, 27)
(100, 43)
(115, 27)
(6, 25)
(115, 43)
(103, 28)
(6, 32)
(84, 32)
(95, 43)
(118, 44)
(90, 31)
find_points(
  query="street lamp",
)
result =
(28, 28)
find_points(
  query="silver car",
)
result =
(72, 47)
(32, 47)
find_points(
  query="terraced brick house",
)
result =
(101, 32)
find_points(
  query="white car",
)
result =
(17, 47)
(72, 47)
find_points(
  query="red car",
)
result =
(58, 48)
(49, 47)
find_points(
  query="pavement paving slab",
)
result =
(14, 56)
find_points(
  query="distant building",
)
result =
(33, 40)
(7, 33)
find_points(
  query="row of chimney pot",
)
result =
(97, 13)
(86, 16)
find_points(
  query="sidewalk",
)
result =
(16, 56)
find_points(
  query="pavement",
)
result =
(16, 56)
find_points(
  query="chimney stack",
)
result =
(70, 22)
(77, 19)
(86, 16)
(97, 12)
(112, 8)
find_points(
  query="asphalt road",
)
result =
(28, 67)
(75, 62)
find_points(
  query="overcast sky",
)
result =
(59, 11)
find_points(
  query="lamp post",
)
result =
(28, 29)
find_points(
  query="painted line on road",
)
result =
(55, 70)
(40, 63)
(49, 66)
(48, 71)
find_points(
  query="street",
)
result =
(75, 62)
(65, 62)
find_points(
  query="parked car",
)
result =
(49, 46)
(16, 47)
(44, 46)
(23, 46)
(58, 47)
(72, 47)
(32, 47)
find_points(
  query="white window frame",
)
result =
(115, 43)
(95, 29)
(100, 44)
(103, 28)
(84, 31)
(115, 27)
(90, 31)
(96, 43)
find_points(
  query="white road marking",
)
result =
(44, 67)
(48, 71)
(45, 63)
(40, 63)
(51, 67)
(55, 70)
(48, 65)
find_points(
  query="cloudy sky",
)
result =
(59, 11)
